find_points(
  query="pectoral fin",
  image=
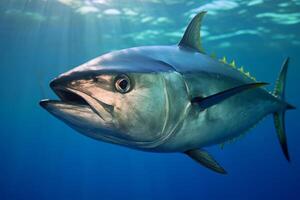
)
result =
(214, 99)
(205, 159)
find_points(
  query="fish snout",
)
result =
(61, 81)
(56, 85)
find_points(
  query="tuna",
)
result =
(167, 99)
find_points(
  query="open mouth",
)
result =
(76, 98)
(66, 96)
(69, 97)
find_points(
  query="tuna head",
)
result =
(118, 101)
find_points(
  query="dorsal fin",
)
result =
(191, 37)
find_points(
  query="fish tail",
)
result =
(279, 116)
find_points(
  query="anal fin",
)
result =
(203, 158)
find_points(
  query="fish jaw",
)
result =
(78, 109)
(76, 115)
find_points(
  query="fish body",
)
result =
(164, 99)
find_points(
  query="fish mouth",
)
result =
(66, 97)
(77, 99)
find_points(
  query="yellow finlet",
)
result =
(223, 60)
(232, 64)
(241, 69)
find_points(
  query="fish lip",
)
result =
(78, 98)
(66, 96)
(46, 102)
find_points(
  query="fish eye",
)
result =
(122, 83)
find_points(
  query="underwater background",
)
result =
(42, 158)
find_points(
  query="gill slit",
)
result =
(186, 109)
(168, 134)
(167, 107)
(176, 126)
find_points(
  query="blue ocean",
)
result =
(41, 158)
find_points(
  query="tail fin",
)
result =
(279, 92)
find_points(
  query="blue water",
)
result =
(42, 158)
